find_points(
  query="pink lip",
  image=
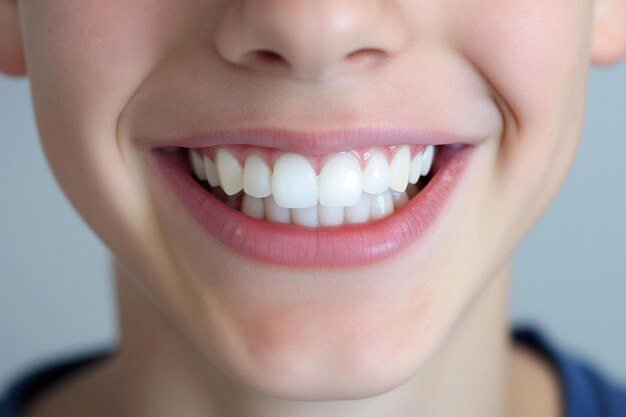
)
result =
(301, 247)
(314, 142)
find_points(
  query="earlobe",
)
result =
(609, 32)
(11, 51)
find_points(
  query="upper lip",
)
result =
(315, 142)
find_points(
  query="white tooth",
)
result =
(411, 190)
(429, 155)
(376, 174)
(399, 169)
(257, 177)
(381, 205)
(211, 172)
(360, 212)
(399, 199)
(253, 207)
(196, 164)
(305, 216)
(274, 212)
(330, 216)
(294, 183)
(341, 181)
(229, 171)
(416, 169)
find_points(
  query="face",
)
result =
(327, 98)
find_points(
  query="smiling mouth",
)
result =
(312, 200)
(349, 187)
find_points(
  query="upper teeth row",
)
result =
(294, 183)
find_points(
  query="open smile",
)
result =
(297, 205)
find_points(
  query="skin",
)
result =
(203, 329)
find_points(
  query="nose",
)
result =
(309, 39)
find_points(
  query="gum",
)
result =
(270, 155)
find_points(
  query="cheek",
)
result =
(85, 60)
(536, 55)
(529, 50)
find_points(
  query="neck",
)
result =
(160, 372)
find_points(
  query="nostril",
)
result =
(366, 54)
(269, 56)
(265, 57)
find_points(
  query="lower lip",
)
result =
(331, 247)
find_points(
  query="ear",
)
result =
(11, 52)
(609, 32)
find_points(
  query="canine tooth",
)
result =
(211, 172)
(305, 216)
(416, 169)
(340, 181)
(257, 177)
(196, 164)
(429, 155)
(253, 206)
(399, 169)
(376, 174)
(399, 199)
(294, 182)
(274, 212)
(381, 205)
(229, 171)
(330, 216)
(411, 190)
(360, 212)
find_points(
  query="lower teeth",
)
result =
(371, 207)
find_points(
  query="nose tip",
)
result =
(309, 39)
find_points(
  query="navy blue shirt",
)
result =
(585, 392)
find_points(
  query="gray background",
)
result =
(570, 273)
